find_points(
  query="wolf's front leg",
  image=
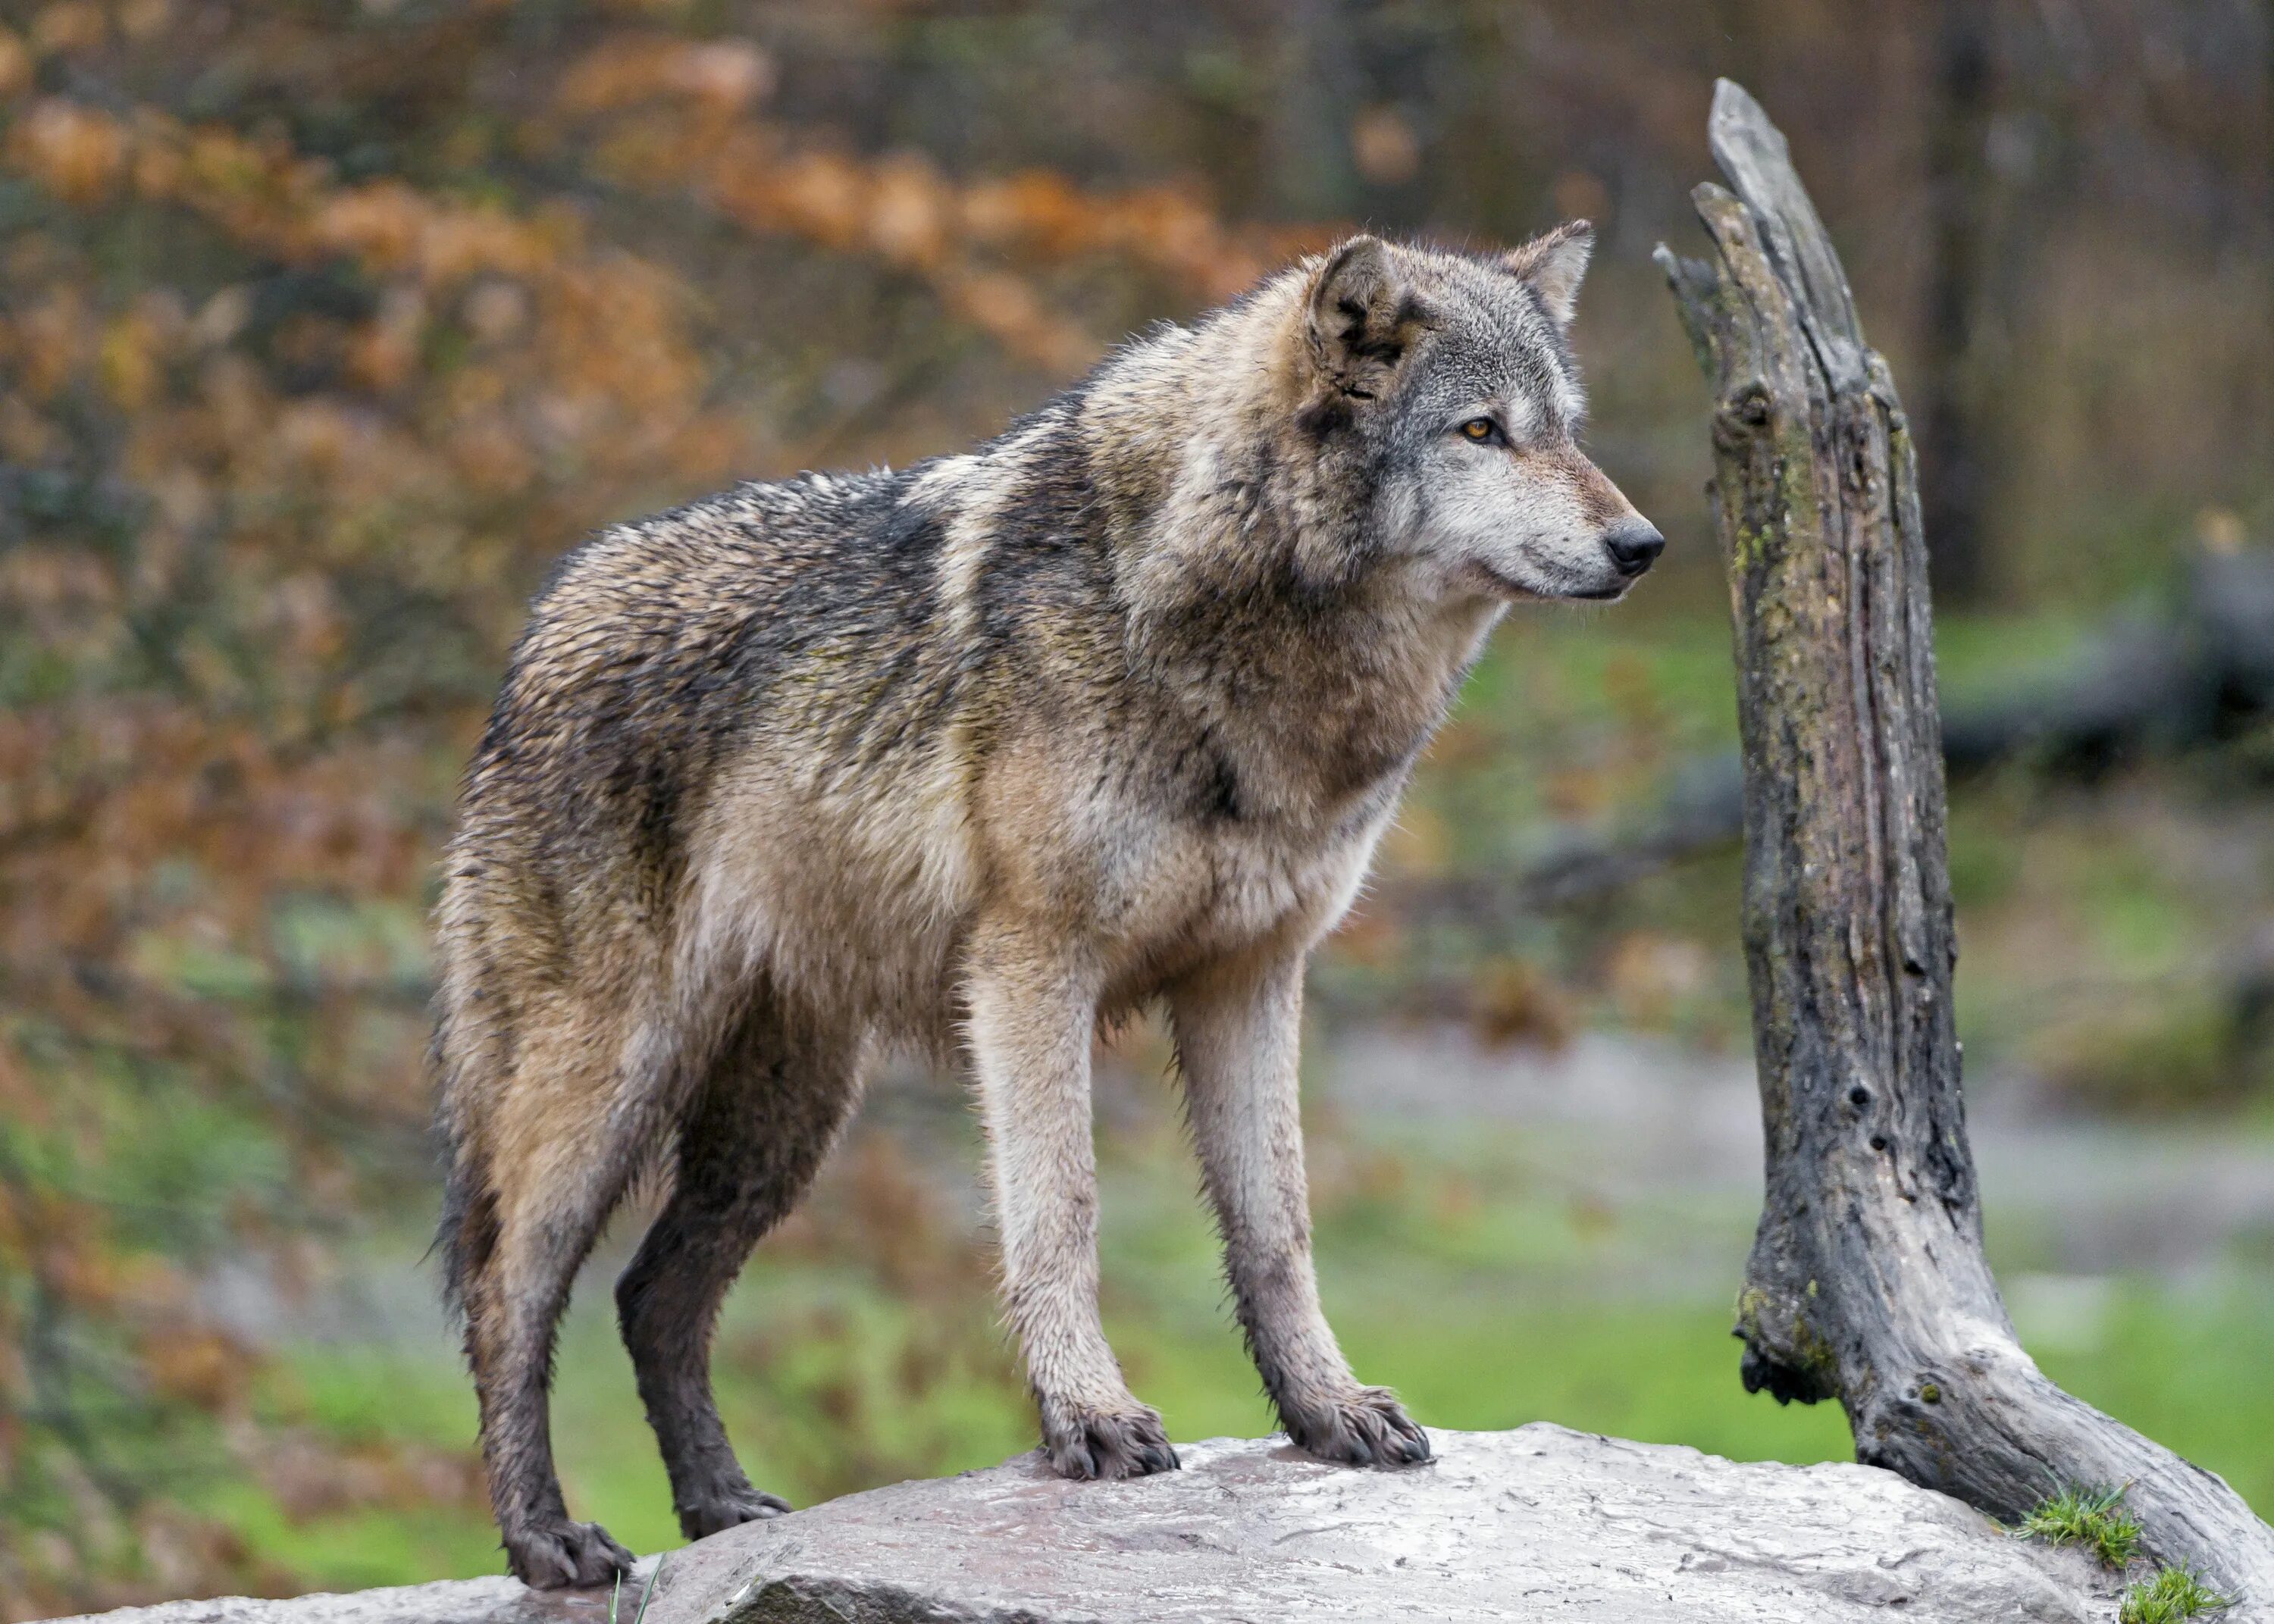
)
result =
(1237, 1030)
(1031, 1016)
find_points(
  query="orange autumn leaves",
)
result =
(689, 127)
(586, 345)
(678, 115)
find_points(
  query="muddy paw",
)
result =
(1085, 1443)
(1367, 1427)
(563, 1555)
(729, 1507)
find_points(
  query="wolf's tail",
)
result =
(468, 1231)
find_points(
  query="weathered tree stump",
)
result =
(1867, 1281)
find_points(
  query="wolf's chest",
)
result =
(1203, 890)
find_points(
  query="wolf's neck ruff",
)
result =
(1257, 589)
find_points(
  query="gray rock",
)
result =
(1540, 1523)
(459, 1601)
(1537, 1524)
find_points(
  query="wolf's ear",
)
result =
(1555, 264)
(1358, 318)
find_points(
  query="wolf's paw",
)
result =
(1366, 1427)
(729, 1507)
(1085, 1443)
(564, 1555)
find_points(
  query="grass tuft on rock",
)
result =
(616, 1595)
(2174, 1594)
(2093, 1518)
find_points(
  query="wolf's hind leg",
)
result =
(1238, 1031)
(755, 1133)
(1031, 1020)
(558, 1168)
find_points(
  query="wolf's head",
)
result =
(1451, 380)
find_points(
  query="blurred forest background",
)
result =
(326, 324)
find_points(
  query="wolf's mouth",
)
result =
(1517, 590)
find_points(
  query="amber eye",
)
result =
(1481, 431)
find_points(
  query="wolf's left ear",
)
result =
(1555, 264)
(1358, 317)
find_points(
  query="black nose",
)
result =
(1634, 546)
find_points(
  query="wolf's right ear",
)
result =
(1358, 319)
(1555, 264)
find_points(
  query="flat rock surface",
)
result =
(1538, 1524)
(453, 1601)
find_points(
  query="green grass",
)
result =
(2094, 1518)
(2174, 1595)
(814, 1384)
(2189, 1369)
(1463, 1269)
(616, 1595)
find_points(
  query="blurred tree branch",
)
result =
(2147, 684)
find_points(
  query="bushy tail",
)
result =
(467, 1233)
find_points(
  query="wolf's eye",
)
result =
(1481, 431)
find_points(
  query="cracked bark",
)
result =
(1867, 1281)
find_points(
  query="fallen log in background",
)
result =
(2150, 683)
(1867, 1281)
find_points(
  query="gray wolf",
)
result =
(968, 758)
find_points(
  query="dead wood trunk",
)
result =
(1867, 1281)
